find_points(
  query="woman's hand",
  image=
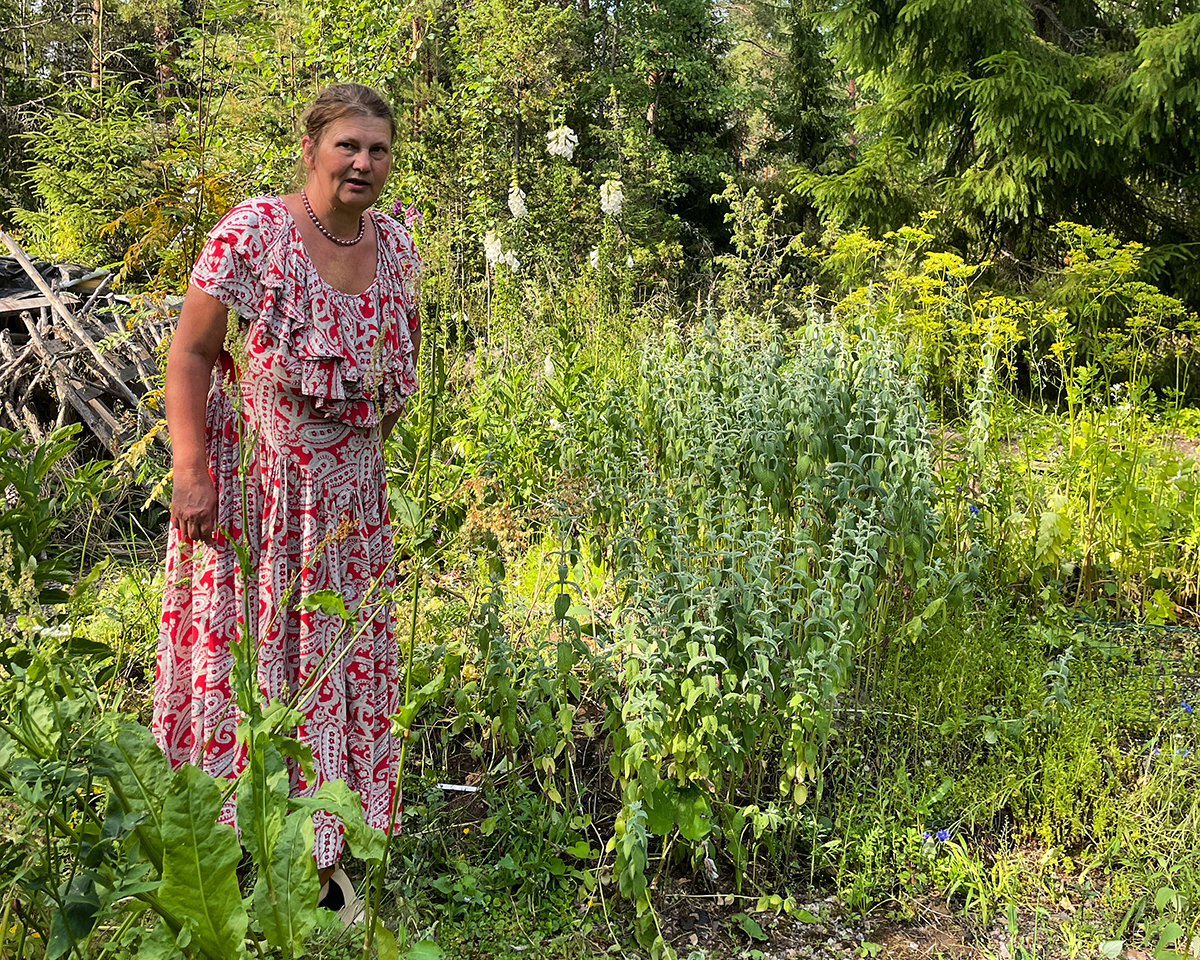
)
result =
(194, 506)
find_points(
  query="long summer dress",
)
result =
(312, 372)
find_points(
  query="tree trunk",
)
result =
(417, 54)
(97, 43)
(168, 50)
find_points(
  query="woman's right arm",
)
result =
(198, 339)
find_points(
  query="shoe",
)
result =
(338, 895)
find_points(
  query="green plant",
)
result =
(754, 521)
(112, 833)
(42, 497)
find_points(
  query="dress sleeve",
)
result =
(229, 266)
(410, 273)
(402, 266)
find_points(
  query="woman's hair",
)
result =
(341, 100)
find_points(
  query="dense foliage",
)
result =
(1008, 118)
(801, 495)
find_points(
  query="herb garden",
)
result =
(797, 522)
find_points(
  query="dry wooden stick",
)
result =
(16, 415)
(119, 386)
(67, 392)
(14, 360)
(96, 294)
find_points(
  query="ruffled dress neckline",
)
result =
(298, 242)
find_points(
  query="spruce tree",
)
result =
(1012, 115)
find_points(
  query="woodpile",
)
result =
(71, 350)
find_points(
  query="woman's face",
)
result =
(349, 165)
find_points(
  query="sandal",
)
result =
(338, 895)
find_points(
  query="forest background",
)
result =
(800, 497)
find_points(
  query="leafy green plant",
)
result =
(755, 508)
(113, 833)
(42, 496)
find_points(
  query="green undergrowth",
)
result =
(818, 599)
(996, 699)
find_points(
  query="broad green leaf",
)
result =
(660, 809)
(405, 510)
(200, 858)
(326, 601)
(161, 944)
(562, 603)
(285, 896)
(581, 850)
(425, 950)
(769, 901)
(567, 656)
(385, 942)
(140, 776)
(404, 719)
(89, 649)
(280, 717)
(74, 922)
(692, 813)
(1164, 896)
(1168, 935)
(750, 926)
(262, 801)
(336, 797)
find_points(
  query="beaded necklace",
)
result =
(362, 225)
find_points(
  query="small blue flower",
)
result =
(926, 835)
(943, 834)
(1187, 707)
(1156, 751)
(1185, 752)
(973, 508)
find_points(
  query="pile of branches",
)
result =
(72, 351)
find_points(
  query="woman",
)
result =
(311, 376)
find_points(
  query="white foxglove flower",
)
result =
(491, 247)
(594, 258)
(611, 197)
(561, 142)
(516, 201)
(511, 260)
(548, 366)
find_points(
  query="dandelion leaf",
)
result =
(139, 776)
(285, 895)
(200, 858)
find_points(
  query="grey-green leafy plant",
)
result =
(755, 503)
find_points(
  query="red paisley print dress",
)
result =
(299, 401)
